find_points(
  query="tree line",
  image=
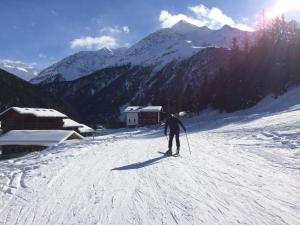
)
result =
(268, 65)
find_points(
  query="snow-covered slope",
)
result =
(179, 42)
(19, 69)
(157, 49)
(244, 169)
(78, 65)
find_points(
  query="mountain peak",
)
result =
(227, 27)
(106, 50)
(184, 25)
(183, 22)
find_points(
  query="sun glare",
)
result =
(283, 7)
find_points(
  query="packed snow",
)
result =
(244, 169)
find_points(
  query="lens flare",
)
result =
(283, 7)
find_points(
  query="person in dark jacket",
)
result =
(173, 123)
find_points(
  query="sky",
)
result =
(42, 32)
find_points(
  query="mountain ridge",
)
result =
(159, 48)
(20, 69)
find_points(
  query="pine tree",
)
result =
(246, 42)
(235, 53)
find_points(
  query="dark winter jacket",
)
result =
(173, 123)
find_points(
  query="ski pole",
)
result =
(188, 143)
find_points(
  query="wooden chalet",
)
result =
(16, 118)
(22, 141)
(150, 115)
(34, 129)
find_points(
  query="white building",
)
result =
(132, 115)
(137, 115)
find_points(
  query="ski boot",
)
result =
(177, 151)
(169, 152)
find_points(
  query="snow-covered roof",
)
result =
(151, 109)
(85, 129)
(81, 127)
(37, 137)
(37, 112)
(71, 123)
(132, 109)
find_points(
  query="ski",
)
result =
(163, 153)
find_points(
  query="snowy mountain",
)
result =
(19, 69)
(78, 65)
(99, 96)
(243, 168)
(157, 49)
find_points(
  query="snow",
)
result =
(37, 137)
(19, 69)
(244, 169)
(37, 112)
(85, 129)
(82, 128)
(177, 43)
(151, 109)
(71, 123)
(78, 65)
(132, 109)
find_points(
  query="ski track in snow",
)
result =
(243, 170)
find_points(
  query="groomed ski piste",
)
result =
(244, 169)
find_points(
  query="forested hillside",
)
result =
(270, 66)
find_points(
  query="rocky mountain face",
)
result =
(157, 50)
(17, 92)
(19, 69)
(99, 97)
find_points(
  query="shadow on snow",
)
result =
(140, 165)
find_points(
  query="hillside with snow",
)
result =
(19, 69)
(77, 65)
(179, 42)
(243, 169)
(100, 96)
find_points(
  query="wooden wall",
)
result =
(16, 149)
(149, 118)
(14, 121)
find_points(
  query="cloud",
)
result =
(115, 30)
(245, 19)
(214, 18)
(42, 56)
(126, 29)
(167, 19)
(95, 42)
(111, 30)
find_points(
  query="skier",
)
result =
(173, 122)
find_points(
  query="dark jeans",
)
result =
(171, 136)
